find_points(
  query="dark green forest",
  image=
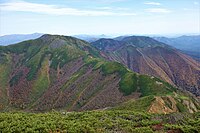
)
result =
(98, 122)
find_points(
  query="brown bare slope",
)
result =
(148, 56)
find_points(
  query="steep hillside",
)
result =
(60, 72)
(148, 56)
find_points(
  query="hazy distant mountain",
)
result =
(91, 38)
(188, 44)
(148, 56)
(16, 38)
(119, 38)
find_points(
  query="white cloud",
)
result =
(55, 10)
(187, 9)
(158, 10)
(104, 8)
(101, 1)
(153, 3)
(196, 3)
(112, 8)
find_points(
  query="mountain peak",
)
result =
(49, 36)
(59, 40)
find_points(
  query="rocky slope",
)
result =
(148, 56)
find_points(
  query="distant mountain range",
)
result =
(66, 73)
(16, 38)
(188, 44)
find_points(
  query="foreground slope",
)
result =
(60, 72)
(148, 56)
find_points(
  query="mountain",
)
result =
(66, 73)
(145, 55)
(188, 44)
(16, 38)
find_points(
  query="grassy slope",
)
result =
(42, 82)
(141, 104)
(5, 67)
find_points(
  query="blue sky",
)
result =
(116, 17)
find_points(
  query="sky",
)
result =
(95, 17)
